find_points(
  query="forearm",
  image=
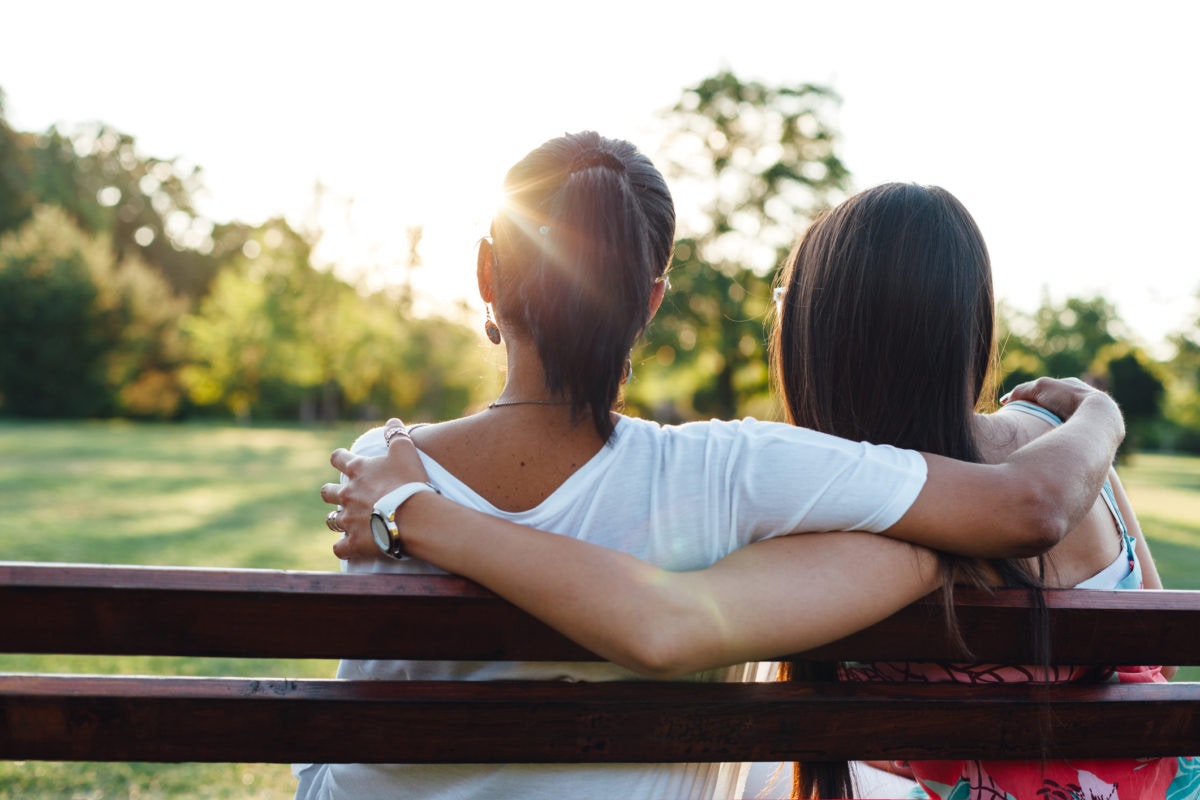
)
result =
(611, 602)
(1026, 504)
(776, 597)
(1072, 462)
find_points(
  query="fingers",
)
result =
(366, 479)
(332, 493)
(355, 545)
(394, 429)
(341, 548)
(341, 459)
(1032, 390)
(1063, 396)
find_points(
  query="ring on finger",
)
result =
(392, 433)
(331, 521)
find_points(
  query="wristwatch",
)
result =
(383, 519)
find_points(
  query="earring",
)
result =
(627, 371)
(491, 328)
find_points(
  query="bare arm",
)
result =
(1150, 576)
(631, 612)
(765, 600)
(774, 597)
(771, 598)
(1026, 504)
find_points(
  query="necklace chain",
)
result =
(498, 403)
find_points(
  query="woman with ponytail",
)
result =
(573, 272)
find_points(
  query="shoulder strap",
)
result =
(1035, 410)
(1106, 491)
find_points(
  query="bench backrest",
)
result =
(65, 609)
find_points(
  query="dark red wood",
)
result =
(58, 608)
(70, 608)
(63, 608)
(181, 719)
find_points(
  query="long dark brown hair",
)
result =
(886, 335)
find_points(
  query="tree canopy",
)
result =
(117, 297)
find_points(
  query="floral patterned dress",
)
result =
(1064, 779)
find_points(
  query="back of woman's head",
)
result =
(586, 228)
(886, 335)
(886, 330)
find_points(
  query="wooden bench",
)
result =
(75, 609)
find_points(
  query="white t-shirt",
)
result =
(680, 497)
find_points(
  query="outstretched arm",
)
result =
(1025, 505)
(771, 598)
(768, 599)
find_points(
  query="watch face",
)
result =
(379, 530)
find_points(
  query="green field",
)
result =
(193, 495)
(215, 495)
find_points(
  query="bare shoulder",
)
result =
(1006, 430)
(442, 439)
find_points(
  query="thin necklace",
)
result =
(499, 403)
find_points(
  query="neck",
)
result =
(512, 401)
(525, 380)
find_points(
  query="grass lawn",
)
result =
(190, 495)
(1165, 491)
(219, 495)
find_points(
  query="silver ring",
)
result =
(391, 433)
(331, 521)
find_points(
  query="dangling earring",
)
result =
(627, 371)
(491, 328)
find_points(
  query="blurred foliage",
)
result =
(118, 298)
(1083, 337)
(84, 334)
(144, 205)
(1181, 428)
(15, 200)
(764, 157)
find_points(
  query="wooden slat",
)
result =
(86, 609)
(1084, 627)
(181, 719)
(64, 608)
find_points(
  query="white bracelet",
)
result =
(390, 503)
(383, 521)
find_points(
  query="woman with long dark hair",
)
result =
(886, 334)
(573, 272)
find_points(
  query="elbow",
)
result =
(1042, 524)
(673, 631)
(660, 655)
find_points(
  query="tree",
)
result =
(16, 202)
(78, 326)
(1062, 341)
(144, 204)
(1182, 405)
(1019, 360)
(712, 331)
(276, 337)
(248, 345)
(1132, 378)
(1070, 337)
(765, 159)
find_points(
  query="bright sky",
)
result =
(1069, 129)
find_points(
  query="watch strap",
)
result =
(390, 502)
(387, 506)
